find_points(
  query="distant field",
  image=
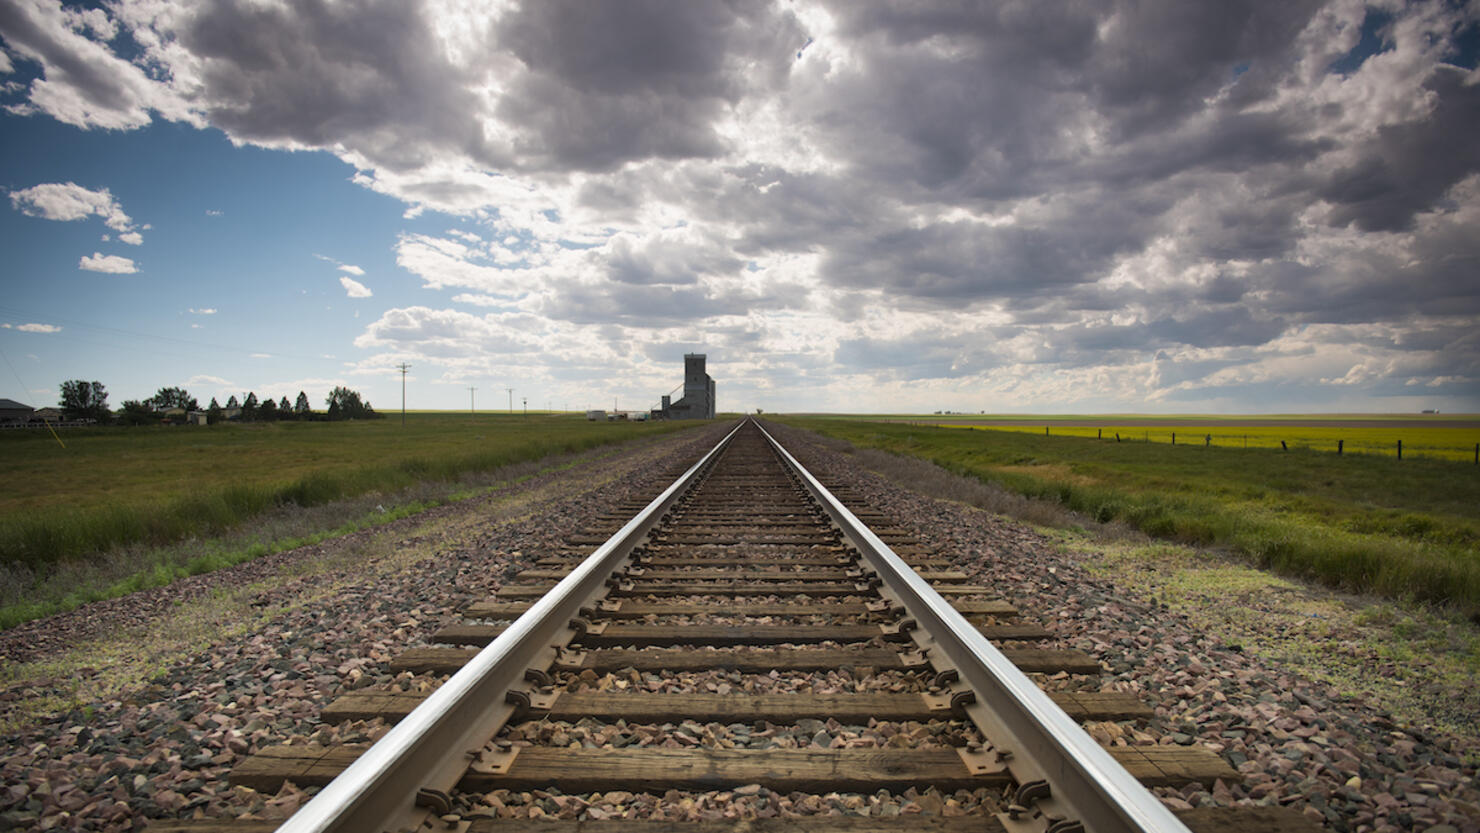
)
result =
(1445, 436)
(1365, 521)
(114, 486)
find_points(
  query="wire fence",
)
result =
(1456, 444)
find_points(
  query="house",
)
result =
(13, 411)
(48, 414)
(197, 418)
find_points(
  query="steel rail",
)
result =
(1085, 783)
(426, 749)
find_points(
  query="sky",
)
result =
(887, 207)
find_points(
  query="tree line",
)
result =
(88, 401)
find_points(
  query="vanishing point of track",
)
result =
(745, 564)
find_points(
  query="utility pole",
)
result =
(403, 367)
(471, 408)
(511, 400)
(525, 400)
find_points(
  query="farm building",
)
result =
(698, 392)
(13, 411)
(48, 414)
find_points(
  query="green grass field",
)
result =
(1419, 438)
(118, 486)
(1407, 529)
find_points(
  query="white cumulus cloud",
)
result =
(112, 264)
(202, 311)
(33, 328)
(354, 288)
(352, 269)
(67, 201)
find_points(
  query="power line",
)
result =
(403, 367)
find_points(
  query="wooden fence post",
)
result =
(1283, 446)
(1208, 442)
(1174, 438)
(1400, 449)
(1100, 435)
(1339, 444)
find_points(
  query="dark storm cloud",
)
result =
(1407, 167)
(366, 74)
(612, 83)
(1226, 326)
(997, 111)
(663, 261)
(1159, 60)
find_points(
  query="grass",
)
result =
(1418, 440)
(1414, 661)
(114, 487)
(1404, 529)
(115, 664)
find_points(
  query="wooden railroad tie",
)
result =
(781, 709)
(781, 770)
(739, 588)
(610, 635)
(637, 609)
(756, 660)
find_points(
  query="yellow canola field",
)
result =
(1443, 443)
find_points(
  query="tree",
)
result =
(249, 407)
(346, 404)
(135, 412)
(85, 400)
(284, 409)
(301, 407)
(268, 411)
(213, 413)
(232, 403)
(166, 398)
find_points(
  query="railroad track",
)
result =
(748, 571)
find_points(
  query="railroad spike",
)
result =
(434, 799)
(1032, 791)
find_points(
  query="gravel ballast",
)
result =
(162, 748)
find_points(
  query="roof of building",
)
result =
(11, 404)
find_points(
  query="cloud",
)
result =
(70, 201)
(354, 288)
(211, 212)
(82, 82)
(133, 238)
(112, 264)
(1095, 204)
(202, 311)
(33, 328)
